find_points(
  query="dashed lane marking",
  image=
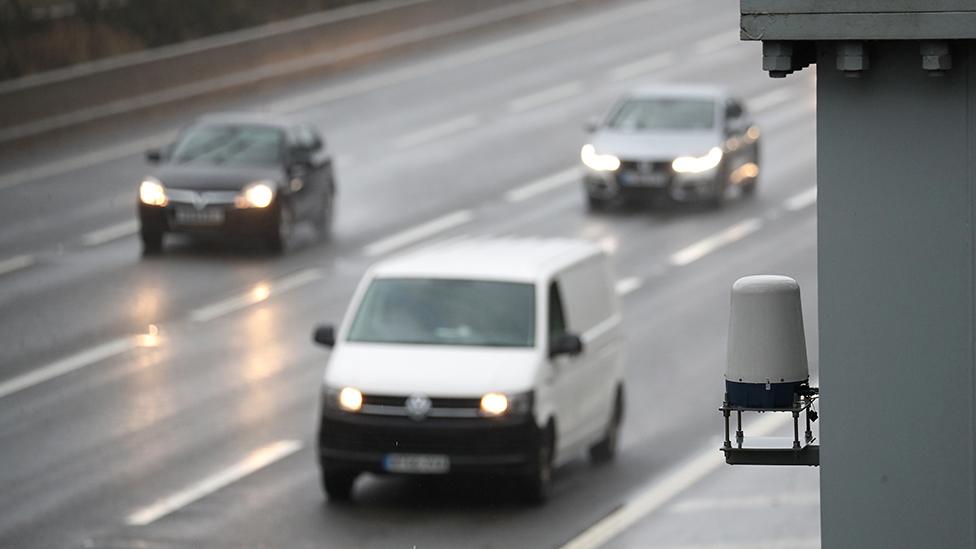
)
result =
(255, 461)
(418, 233)
(716, 241)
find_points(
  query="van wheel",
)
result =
(606, 449)
(538, 485)
(338, 485)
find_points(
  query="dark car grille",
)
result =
(645, 167)
(385, 435)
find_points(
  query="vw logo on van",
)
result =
(418, 406)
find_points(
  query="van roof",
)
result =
(510, 259)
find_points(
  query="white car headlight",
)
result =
(698, 164)
(598, 162)
(152, 193)
(256, 195)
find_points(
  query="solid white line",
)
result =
(546, 97)
(259, 293)
(419, 232)
(642, 66)
(437, 131)
(627, 285)
(15, 263)
(709, 244)
(255, 461)
(110, 233)
(481, 53)
(67, 365)
(50, 169)
(802, 200)
(717, 42)
(770, 99)
(670, 485)
(745, 502)
(545, 184)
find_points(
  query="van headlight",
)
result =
(348, 399)
(259, 194)
(506, 404)
(598, 162)
(698, 164)
(152, 192)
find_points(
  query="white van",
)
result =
(494, 356)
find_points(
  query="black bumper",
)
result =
(356, 442)
(237, 222)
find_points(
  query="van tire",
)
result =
(538, 484)
(338, 485)
(605, 450)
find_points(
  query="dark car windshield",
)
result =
(446, 312)
(660, 113)
(247, 145)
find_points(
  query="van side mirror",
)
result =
(565, 344)
(154, 156)
(325, 335)
(591, 125)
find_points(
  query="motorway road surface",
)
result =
(171, 402)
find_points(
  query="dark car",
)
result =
(246, 175)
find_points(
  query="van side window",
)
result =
(557, 322)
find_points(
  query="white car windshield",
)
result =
(446, 312)
(659, 113)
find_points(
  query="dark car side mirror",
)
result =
(154, 156)
(565, 344)
(325, 335)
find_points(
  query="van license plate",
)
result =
(417, 463)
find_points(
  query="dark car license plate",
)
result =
(426, 464)
(193, 216)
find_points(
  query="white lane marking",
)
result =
(15, 263)
(110, 233)
(709, 244)
(643, 66)
(628, 285)
(801, 200)
(746, 502)
(545, 184)
(50, 169)
(259, 293)
(255, 461)
(658, 493)
(419, 232)
(461, 59)
(717, 42)
(437, 131)
(546, 96)
(770, 99)
(67, 365)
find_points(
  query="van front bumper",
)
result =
(356, 442)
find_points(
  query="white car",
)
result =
(497, 356)
(671, 144)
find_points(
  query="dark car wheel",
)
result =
(282, 230)
(337, 485)
(606, 449)
(538, 485)
(323, 221)
(152, 241)
(596, 204)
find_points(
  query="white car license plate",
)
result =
(193, 216)
(417, 463)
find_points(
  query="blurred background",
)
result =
(170, 400)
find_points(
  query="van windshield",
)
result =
(446, 312)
